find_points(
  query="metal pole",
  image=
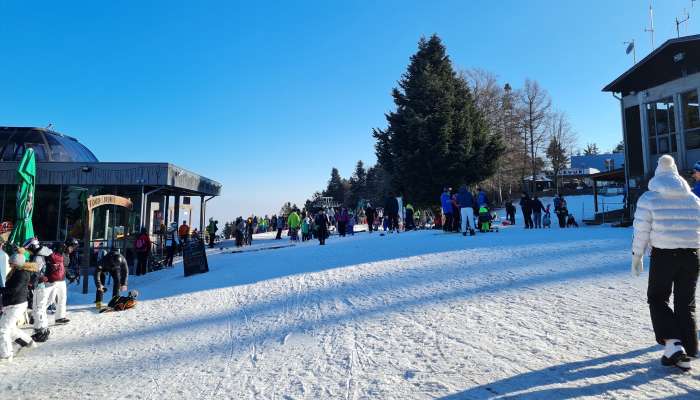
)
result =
(60, 209)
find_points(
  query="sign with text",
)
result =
(109, 199)
(194, 257)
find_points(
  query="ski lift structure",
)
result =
(326, 203)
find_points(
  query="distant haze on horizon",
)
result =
(266, 99)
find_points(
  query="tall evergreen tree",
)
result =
(358, 185)
(436, 136)
(336, 187)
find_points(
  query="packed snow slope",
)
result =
(545, 314)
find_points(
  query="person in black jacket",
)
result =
(321, 223)
(370, 214)
(14, 305)
(114, 264)
(510, 212)
(391, 210)
(537, 209)
(526, 207)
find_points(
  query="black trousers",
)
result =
(170, 253)
(116, 279)
(211, 240)
(677, 270)
(561, 216)
(394, 222)
(511, 217)
(527, 217)
(447, 226)
(279, 233)
(141, 263)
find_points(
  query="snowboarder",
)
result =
(14, 305)
(667, 220)
(115, 265)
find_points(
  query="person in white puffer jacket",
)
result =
(667, 220)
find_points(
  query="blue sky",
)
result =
(266, 97)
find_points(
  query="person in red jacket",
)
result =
(56, 275)
(142, 246)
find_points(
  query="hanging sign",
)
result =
(109, 199)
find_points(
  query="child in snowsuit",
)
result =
(14, 305)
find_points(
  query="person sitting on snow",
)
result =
(115, 265)
(14, 305)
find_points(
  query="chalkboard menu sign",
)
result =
(194, 257)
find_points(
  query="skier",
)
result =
(56, 274)
(14, 305)
(446, 209)
(510, 212)
(526, 207)
(391, 209)
(142, 247)
(466, 202)
(321, 222)
(370, 213)
(667, 220)
(43, 292)
(115, 265)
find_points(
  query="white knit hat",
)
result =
(17, 260)
(666, 165)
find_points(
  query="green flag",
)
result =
(26, 174)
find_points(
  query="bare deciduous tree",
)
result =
(534, 104)
(561, 139)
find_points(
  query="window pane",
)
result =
(662, 123)
(692, 139)
(651, 122)
(663, 145)
(652, 146)
(671, 115)
(691, 110)
(674, 144)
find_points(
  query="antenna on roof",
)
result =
(631, 49)
(651, 22)
(679, 22)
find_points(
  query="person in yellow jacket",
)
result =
(293, 221)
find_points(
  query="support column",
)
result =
(202, 212)
(176, 211)
(166, 217)
(60, 210)
(595, 195)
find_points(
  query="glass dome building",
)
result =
(49, 146)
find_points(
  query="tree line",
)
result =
(451, 128)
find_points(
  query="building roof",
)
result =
(660, 66)
(598, 161)
(48, 145)
(616, 175)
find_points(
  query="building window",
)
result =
(691, 119)
(662, 126)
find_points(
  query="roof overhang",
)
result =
(674, 59)
(168, 176)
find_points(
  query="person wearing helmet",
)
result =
(71, 261)
(43, 290)
(696, 176)
(114, 264)
(14, 304)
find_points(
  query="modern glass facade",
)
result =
(47, 145)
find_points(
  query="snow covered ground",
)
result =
(547, 314)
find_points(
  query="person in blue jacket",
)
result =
(696, 176)
(482, 200)
(446, 209)
(466, 202)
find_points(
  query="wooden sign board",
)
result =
(109, 199)
(194, 257)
